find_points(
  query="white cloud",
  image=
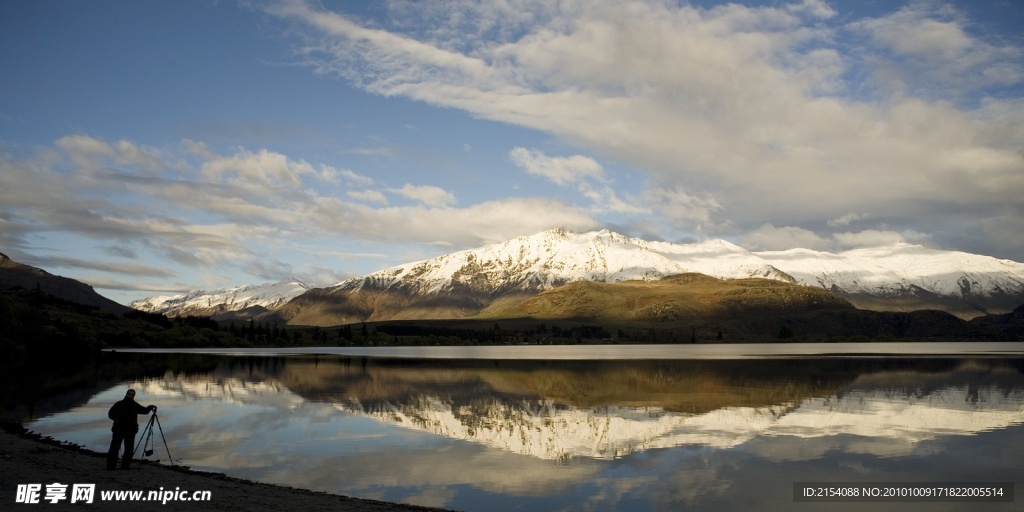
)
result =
(771, 238)
(686, 210)
(816, 8)
(263, 168)
(491, 221)
(847, 219)
(428, 195)
(368, 196)
(133, 155)
(558, 170)
(929, 38)
(87, 153)
(82, 150)
(334, 175)
(604, 199)
(198, 148)
(911, 32)
(877, 238)
(584, 172)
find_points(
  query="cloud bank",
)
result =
(792, 114)
(200, 209)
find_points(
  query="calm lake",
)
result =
(708, 427)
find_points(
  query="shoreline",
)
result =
(29, 458)
(620, 352)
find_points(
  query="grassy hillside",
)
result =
(685, 297)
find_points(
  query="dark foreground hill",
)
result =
(15, 275)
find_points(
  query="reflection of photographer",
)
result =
(126, 425)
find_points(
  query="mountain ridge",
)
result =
(899, 277)
(555, 257)
(227, 303)
(908, 277)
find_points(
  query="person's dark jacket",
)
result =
(126, 415)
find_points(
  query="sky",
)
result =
(150, 148)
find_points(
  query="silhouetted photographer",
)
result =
(125, 414)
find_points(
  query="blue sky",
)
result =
(154, 147)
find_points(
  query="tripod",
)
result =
(147, 439)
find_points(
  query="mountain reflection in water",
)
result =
(306, 421)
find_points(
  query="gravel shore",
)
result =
(26, 458)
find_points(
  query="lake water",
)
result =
(710, 427)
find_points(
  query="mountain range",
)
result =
(630, 289)
(242, 302)
(496, 279)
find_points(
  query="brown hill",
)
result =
(738, 309)
(684, 297)
(324, 306)
(698, 308)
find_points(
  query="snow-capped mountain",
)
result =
(906, 277)
(899, 277)
(247, 300)
(878, 269)
(556, 257)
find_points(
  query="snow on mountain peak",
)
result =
(558, 256)
(268, 295)
(895, 277)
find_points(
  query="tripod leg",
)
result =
(161, 428)
(149, 428)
